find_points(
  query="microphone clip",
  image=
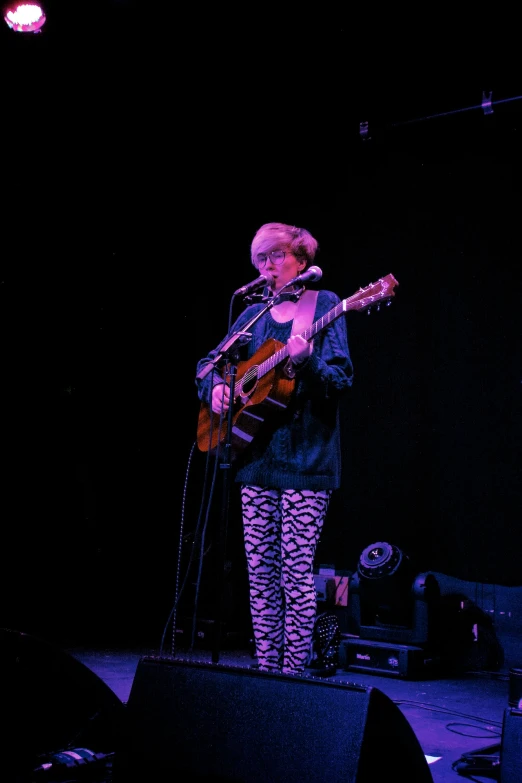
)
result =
(297, 294)
(290, 296)
(252, 298)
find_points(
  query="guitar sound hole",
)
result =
(248, 383)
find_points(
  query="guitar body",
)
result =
(256, 400)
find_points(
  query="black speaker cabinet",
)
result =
(190, 721)
(50, 701)
(511, 746)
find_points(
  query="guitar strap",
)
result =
(304, 314)
(303, 318)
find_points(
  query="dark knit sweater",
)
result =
(300, 449)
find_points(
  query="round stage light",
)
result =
(24, 17)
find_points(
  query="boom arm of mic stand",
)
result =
(228, 350)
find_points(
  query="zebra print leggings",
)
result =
(281, 531)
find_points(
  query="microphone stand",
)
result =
(229, 354)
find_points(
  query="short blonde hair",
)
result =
(280, 236)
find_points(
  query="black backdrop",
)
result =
(127, 228)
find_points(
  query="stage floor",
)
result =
(450, 716)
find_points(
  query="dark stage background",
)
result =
(134, 179)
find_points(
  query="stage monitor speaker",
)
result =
(197, 721)
(50, 701)
(511, 746)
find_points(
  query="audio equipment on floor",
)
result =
(511, 746)
(51, 702)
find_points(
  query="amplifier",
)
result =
(390, 660)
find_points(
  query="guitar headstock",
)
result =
(383, 290)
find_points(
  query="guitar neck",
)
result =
(363, 299)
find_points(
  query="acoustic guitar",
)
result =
(263, 386)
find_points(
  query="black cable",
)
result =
(199, 538)
(475, 736)
(432, 708)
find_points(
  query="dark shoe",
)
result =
(322, 668)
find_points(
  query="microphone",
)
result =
(259, 282)
(312, 274)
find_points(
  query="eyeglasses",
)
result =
(277, 257)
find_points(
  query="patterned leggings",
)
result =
(281, 531)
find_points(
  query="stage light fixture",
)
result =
(24, 17)
(390, 601)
